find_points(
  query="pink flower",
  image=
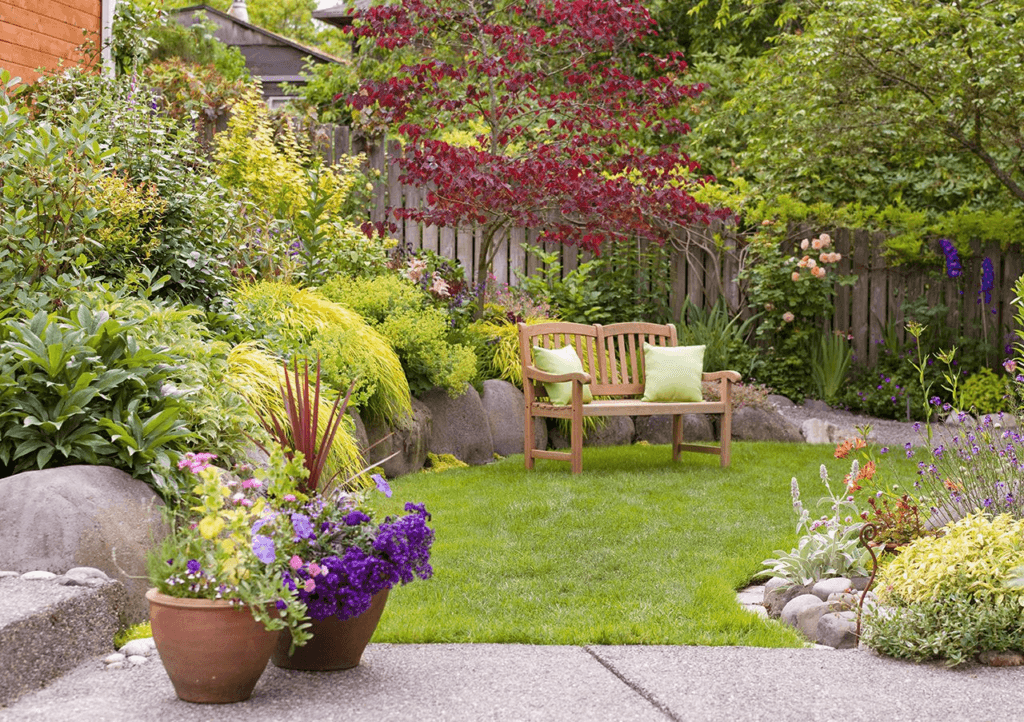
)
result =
(237, 498)
(803, 261)
(811, 263)
(249, 483)
(417, 267)
(826, 240)
(788, 317)
(1010, 365)
(818, 272)
(816, 244)
(796, 275)
(803, 244)
(309, 586)
(440, 287)
(313, 568)
(289, 497)
(295, 563)
(246, 502)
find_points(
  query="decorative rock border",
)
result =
(132, 654)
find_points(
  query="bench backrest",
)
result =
(613, 354)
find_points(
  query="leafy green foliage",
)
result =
(416, 330)
(830, 364)
(195, 45)
(726, 338)
(81, 388)
(985, 393)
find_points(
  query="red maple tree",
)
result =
(578, 132)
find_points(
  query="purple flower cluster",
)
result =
(343, 586)
(988, 279)
(954, 269)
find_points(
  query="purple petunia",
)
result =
(193, 566)
(382, 485)
(263, 548)
(302, 526)
(356, 518)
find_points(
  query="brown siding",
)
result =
(39, 33)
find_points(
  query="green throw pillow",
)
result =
(560, 361)
(672, 373)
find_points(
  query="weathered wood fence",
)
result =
(869, 310)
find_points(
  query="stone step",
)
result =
(51, 624)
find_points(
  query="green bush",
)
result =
(985, 393)
(82, 388)
(416, 330)
(955, 595)
(302, 322)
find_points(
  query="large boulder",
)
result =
(411, 439)
(505, 407)
(610, 431)
(818, 431)
(658, 429)
(752, 424)
(461, 427)
(82, 516)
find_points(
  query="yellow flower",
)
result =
(211, 526)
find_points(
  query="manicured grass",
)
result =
(636, 550)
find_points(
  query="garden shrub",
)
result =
(303, 323)
(985, 393)
(82, 387)
(953, 596)
(417, 331)
(497, 348)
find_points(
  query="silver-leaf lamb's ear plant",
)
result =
(828, 546)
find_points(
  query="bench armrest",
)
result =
(535, 374)
(733, 376)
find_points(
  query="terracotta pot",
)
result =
(336, 643)
(213, 652)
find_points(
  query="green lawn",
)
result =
(636, 550)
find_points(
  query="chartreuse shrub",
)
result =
(954, 596)
(258, 377)
(416, 330)
(985, 393)
(497, 348)
(302, 322)
(83, 387)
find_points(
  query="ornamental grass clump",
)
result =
(955, 596)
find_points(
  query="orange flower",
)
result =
(859, 443)
(843, 449)
(796, 275)
(867, 472)
(951, 486)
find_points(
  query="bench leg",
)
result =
(576, 441)
(677, 436)
(726, 438)
(528, 441)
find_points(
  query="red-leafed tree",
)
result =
(577, 133)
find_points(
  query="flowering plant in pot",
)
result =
(217, 604)
(346, 562)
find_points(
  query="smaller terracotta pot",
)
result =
(336, 643)
(213, 652)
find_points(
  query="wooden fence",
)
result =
(869, 310)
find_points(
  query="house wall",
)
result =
(39, 33)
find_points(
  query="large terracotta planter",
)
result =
(213, 652)
(336, 643)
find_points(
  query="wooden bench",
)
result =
(613, 360)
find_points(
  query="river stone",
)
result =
(817, 431)
(137, 647)
(112, 658)
(824, 587)
(803, 612)
(779, 401)
(750, 424)
(817, 407)
(137, 659)
(460, 426)
(658, 429)
(411, 439)
(86, 573)
(838, 630)
(78, 516)
(505, 407)
(38, 576)
(611, 431)
(843, 601)
(778, 592)
(358, 429)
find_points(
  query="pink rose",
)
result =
(804, 244)
(788, 317)
(796, 275)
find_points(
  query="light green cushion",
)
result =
(560, 361)
(672, 373)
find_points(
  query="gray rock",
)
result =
(504, 405)
(750, 424)
(1001, 659)
(86, 573)
(136, 660)
(38, 575)
(757, 609)
(411, 440)
(859, 583)
(82, 516)
(778, 592)
(137, 647)
(115, 657)
(66, 581)
(610, 431)
(5, 575)
(838, 630)
(817, 407)
(114, 665)
(817, 431)
(823, 588)
(460, 426)
(750, 598)
(843, 602)
(658, 429)
(358, 428)
(803, 612)
(779, 401)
